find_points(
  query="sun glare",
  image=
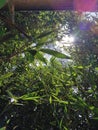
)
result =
(68, 39)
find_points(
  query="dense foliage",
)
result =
(37, 94)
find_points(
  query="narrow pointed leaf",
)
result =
(5, 76)
(45, 34)
(40, 57)
(55, 53)
(50, 100)
(95, 118)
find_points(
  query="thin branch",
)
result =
(9, 23)
(6, 37)
(15, 53)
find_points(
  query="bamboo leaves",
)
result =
(5, 76)
(55, 53)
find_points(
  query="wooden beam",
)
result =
(44, 4)
(77, 5)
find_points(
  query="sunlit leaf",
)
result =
(63, 102)
(36, 98)
(3, 128)
(96, 69)
(91, 107)
(80, 67)
(55, 53)
(30, 97)
(50, 99)
(59, 100)
(65, 128)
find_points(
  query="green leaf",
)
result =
(65, 110)
(3, 128)
(2, 32)
(36, 99)
(91, 107)
(59, 100)
(2, 3)
(95, 110)
(30, 97)
(55, 53)
(95, 118)
(5, 76)
(63, 102)
(30, 54)
(80, 103)
(50, 100)
(10, 94)
(60, 124)
(96, 69)
(53, 123)
(65, 128)
(45, 34)
(40, 57)
(80, 67)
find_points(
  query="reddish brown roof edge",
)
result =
(77, 5)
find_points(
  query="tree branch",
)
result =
(6, 37)
(9, 23)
